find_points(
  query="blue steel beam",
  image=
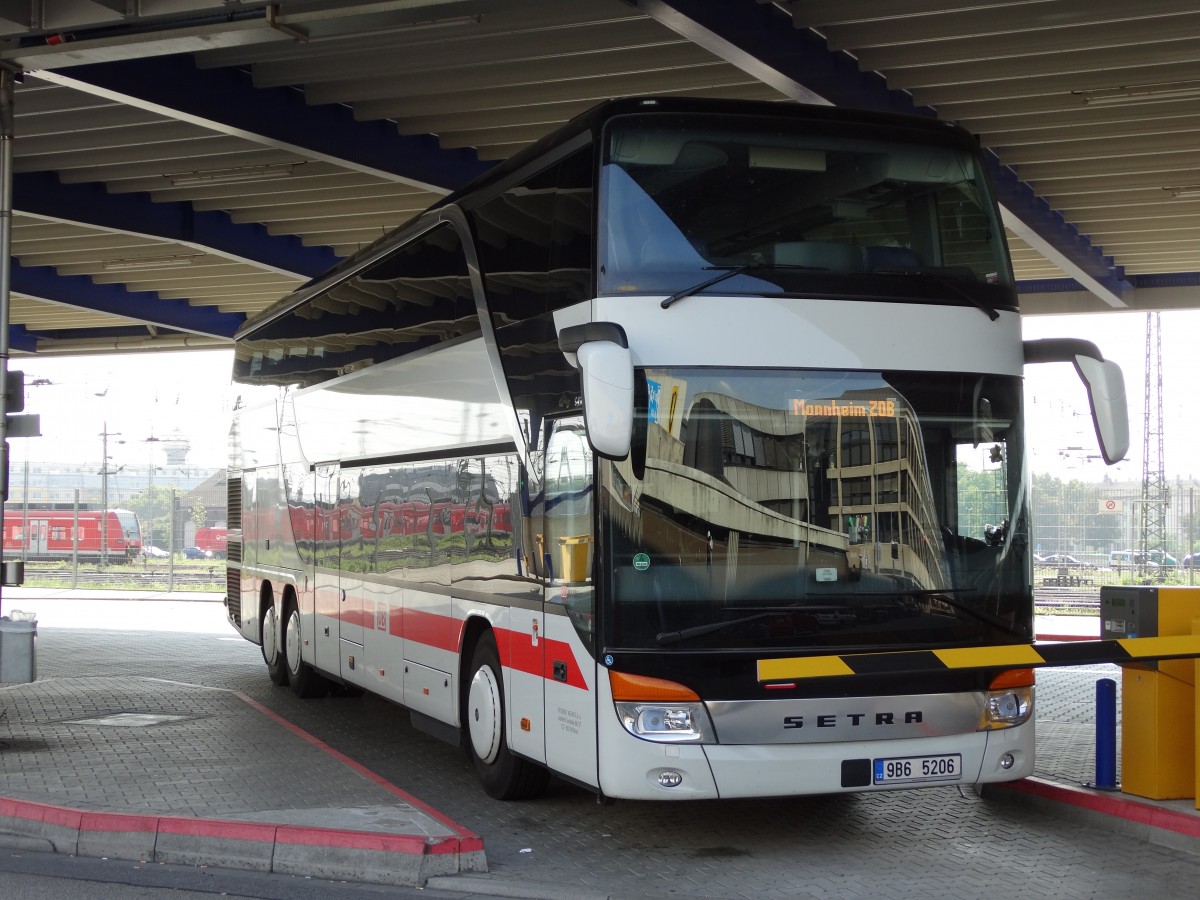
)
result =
(22, 339)
(226, 101)
(760, 39)
(44, 283)
(42, 194)
(1147, 282)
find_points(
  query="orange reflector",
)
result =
(1014, 678)
(525, 725)
(641, 687)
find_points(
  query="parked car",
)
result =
(196, 553)
(152, 552)
(1063, 560)
(1151, 559)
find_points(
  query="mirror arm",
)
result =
(572, 338)
(1060, 350)
(1105, 388)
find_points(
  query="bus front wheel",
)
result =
(503, 775)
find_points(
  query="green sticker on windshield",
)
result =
(641, 562)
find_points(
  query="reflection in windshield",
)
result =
(818, 508)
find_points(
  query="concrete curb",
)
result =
(317, 852)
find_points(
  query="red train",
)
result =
(47, 534)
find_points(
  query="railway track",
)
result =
(139, 581)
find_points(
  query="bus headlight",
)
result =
(655, 709)
(1009, 702)
(676, 723)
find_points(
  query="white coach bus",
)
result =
(685, 388)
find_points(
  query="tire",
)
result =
(302, 679)
(503, 775)
(272, 655)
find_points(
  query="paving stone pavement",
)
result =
(937, 842)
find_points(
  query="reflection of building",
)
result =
(844, 475)
(875, 487)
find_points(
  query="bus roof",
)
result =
(590, 122)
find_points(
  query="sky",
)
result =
(1057, 414)
(132, 397)
(190, 394)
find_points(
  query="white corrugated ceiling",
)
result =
(1094, 104)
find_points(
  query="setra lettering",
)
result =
(854, 720)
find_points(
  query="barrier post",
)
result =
(1106, 735)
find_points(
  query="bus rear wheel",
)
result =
(272, 656)
(302, 679)
(503, 775)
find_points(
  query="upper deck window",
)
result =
(418, 296)
(816, 209)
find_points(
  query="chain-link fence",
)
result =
(1110, 533)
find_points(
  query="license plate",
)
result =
(910, 769)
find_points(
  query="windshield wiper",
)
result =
(674, 637)
(946, 283)
(947, 596)
(729, 272)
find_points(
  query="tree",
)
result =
(199, 515)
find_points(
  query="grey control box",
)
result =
(1128, 612)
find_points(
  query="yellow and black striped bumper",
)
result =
(1074, 653)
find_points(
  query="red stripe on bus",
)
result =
(358, 617)
(431, 629)
(517, 651)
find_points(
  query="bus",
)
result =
(47, 534)
(686, 388)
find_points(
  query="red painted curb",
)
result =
(118, 823)
(352, 840)
(132, 823)
(218, 828)
(41, 812)
(1120, 806)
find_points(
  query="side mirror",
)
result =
(601, 352)
(1105, 388)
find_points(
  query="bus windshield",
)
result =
(805, 509)
(840, 211)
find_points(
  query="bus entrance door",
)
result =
(570, 479)
(338, 635)
(353, 619)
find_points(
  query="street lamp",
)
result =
(148, 540)
(104, 473)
